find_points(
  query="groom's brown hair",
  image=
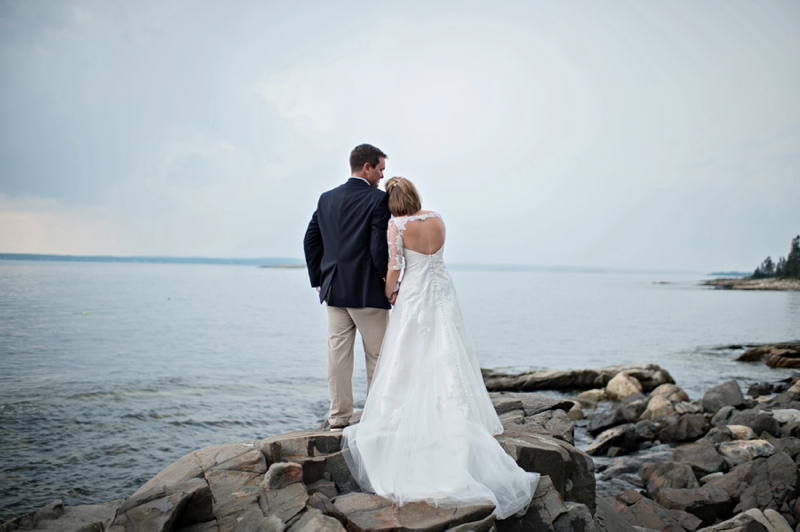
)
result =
(363, 154)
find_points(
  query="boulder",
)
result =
(642, 512)
(650, 376)
(685, 427)
(646, 430)
(662, 475)
(282, 474)
(608, 519)
(56, 516)
(622, 386)
(772, 520)
(741, 451)
(742, 432)
(315, 521)
(773, 484)
(545, 508)
(658, 408)
(570, 470)
(707, 503)
(554, 423)
(622, 437)
(722, 415)
(487, 524)
(787, 415)
(590, 398)
(577, 518)
(616, 415)
(725, 394)
(702, 456)
(760, 422)
(671, 392)
(719, 434)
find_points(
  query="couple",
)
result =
(426, 432)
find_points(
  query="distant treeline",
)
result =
(161, 260)
(786, 268)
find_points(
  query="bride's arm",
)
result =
(396, 261)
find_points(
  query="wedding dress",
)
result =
(426, 432)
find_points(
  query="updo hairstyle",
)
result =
(403, 197)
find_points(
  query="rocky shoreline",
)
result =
(653, 460)
(747, 283)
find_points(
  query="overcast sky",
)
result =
(585, 133)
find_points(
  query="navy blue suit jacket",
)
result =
(345, 245)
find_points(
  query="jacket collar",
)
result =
(358, 181)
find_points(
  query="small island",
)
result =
(783, 275)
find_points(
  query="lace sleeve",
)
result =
(397, 260)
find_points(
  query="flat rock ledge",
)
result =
(746, 283)
(299, 482)
(785, 355)
(649, 376)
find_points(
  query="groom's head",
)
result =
(368, 162)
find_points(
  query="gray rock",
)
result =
(614, 416)
(685, 427)
(662, 475)
(158, 515)
(649, 375)
(646, 430)
(722, 415)
(623, 437)
(284, 503)
(325, 487)
(504, 403)
(741, 451)
(760, 422)
(720, 434)
(725, 394)
(54, 510)
(82, 518)
(570, 470)
(708, 503)
(577, 518)
(771, 483)
(546, 506)
(642, 512)
(554, 423)
(608, 519)
(701, 455)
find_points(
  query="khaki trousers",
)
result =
(342, 325)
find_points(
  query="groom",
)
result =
(347, 256)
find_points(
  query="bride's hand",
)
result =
(393, 298)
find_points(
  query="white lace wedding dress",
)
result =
(426, 433)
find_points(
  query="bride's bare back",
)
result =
(424, 235)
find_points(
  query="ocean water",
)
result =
(111, 371)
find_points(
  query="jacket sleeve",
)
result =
(378, 245)
(313, 247)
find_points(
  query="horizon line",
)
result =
(291, 261)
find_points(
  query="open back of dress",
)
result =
(426, 433)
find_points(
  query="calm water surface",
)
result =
(111, 371)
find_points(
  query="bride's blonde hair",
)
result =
(403, 197)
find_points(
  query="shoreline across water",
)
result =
(747, 283)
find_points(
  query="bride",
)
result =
(426, 432)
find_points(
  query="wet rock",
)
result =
(658, 408)
(622, 386)
(739, 452)
(702, 456)
(650, 376)
(760, 422)
(623, 437)
(616, 415)
(725, 394)
(685, 427)
(369, 512)
(759, 389)
(570, 470)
